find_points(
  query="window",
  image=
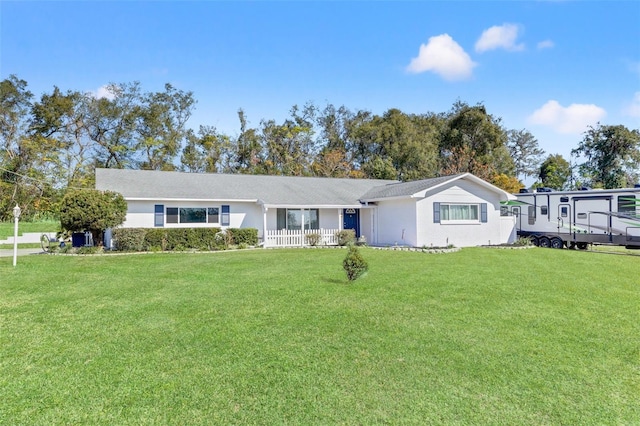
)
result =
(544, 211)
(213, 215)
(191, 215)
(158, 215)
(627, 205)
(291, 219)
(459, 212)
(564, 199)
(172, 215)
(532, 215)
(564, 211)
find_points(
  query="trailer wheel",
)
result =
(557, 243)
(582, 246)
(545, 242)
(535, 241)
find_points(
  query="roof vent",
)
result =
(637, 185)
(583, 188)
(544, 189)
(524, 191)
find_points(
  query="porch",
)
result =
(299, 238)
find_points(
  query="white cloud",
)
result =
(499, 37)
(545, 44)
(573, 119)
(443, 56)
(633, 108)
(103, 92)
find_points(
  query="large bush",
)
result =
(92, 210)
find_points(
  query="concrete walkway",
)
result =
(21, 252)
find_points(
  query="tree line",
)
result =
(55, 142)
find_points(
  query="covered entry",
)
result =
(351, 220)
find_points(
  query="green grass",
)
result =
(268, 337)
(7, 228)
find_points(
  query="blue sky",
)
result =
(551, 67)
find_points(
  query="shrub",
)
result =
(206, 238)
(346, 236)
(248, 236)
(224, 239)
(313, 239)
(523, 242)
(354, 264)
(155, 240)
(129, 239)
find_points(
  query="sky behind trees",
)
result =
(553, 68)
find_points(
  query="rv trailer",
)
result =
(575, 219)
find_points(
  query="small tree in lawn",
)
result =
(354, 264)
(93, 211)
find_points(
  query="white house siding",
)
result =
(496, 230)
(140, 214)
(367, 224)
(396, 222)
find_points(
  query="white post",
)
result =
(16, 216)
(264, 225)
(302, 228)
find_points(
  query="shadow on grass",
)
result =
(334, 281)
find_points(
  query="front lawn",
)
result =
(268, 337)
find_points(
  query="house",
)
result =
(462, 210)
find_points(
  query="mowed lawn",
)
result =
(481, 336)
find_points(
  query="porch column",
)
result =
(264, 225)
(340, 219)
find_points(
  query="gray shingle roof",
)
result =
(404, 189)
(271, 190)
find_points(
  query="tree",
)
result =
(111, 125)
(612, 156)
(93, 211)
(161, 126)
(508, 183)
(525, 152)
(555, 172)
(26, 158)
(471, 131)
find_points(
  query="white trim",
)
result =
(190, 200)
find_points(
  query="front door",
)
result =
(351, 220)
(564, 219)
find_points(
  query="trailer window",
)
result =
(564, 212)
(627, 205)
(532, 215)
(544, 210)
(564, 199)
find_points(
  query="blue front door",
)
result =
(351, 220)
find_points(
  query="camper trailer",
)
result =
(575, 219)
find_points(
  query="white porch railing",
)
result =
(287, 238)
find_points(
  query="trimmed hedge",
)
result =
(246, 236)
(170, 239)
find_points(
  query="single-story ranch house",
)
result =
(460, 210)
